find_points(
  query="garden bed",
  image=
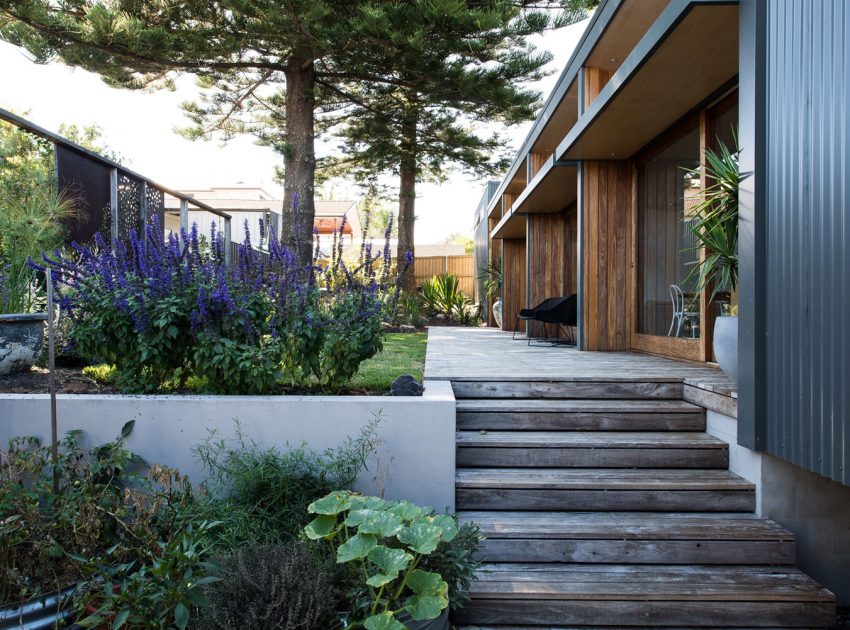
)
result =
(403, 353)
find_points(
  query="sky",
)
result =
(140, 126)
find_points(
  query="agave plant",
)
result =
(491, 279)
(714, 223)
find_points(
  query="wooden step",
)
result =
(596, 388)
(579, 415)
(584, 489)
(590, 449)
(631, 537)
(646, 595)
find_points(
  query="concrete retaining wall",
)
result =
(415, 459)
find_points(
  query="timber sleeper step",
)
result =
(610, 388)
(632, 537)
(646, 595)
(607, 489)
(581, 449)
(579, 415)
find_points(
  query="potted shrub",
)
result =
(715, 228)
(31, 222)
(386, 544)
(491, 278)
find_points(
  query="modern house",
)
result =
(597, 201)
(261, 212)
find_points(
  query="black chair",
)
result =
(529, 314)
(556, 313)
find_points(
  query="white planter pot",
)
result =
(726, 345)
(497, 312)
(21, 340)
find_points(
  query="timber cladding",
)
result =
(551, 257)
(513, 282)
(608, 206)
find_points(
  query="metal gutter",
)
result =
(599, 22)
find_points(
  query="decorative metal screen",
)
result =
(155, 207)
(129, 206)
(86, 182)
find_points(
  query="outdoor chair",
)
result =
(555, 313)
(681, 313)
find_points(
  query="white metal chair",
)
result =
(680, 313)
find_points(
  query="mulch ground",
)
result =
(37, 381)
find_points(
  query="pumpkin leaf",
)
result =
(356, 547)
(381, 524)
(383, 621)
(421, 537)
(448, 524)
(322, 526)
(332, 504)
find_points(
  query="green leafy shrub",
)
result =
(165, 312)
(385, 542)
(156, 591)
(409, 311)
(275, 587)
(457, 561)
(442, 294)
(265, 492)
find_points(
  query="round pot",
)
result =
(44, 612)
(440, 623)
(726, 345)
(21, 340)
(497, 312)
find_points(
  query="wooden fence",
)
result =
(460, 266)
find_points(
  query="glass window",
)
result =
(668, 189)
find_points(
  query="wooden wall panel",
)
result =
(608, 211)
(594, 80)
(535, 163)
(513, 277)
(552, 257)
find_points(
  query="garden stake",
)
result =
(51, 366)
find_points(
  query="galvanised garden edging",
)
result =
(414, 460)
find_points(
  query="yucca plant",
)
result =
(491, 279)
(714, 222)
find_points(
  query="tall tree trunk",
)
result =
(299, 160)
(407, 200)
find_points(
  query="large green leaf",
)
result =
(356, 517)
(448, 524)
(322, 526)
(422, 537)
(383, 621)
(332, 504)
(358, 546)
(407, 510)
(391, 562)
(431, 594)
(381, 524)
(367, 503)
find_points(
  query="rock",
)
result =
(440, 316)
(406, 328)
(406, 385)
(387, 326)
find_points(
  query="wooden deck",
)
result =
(488, 354)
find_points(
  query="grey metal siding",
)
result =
(807, 234)
(481, 238)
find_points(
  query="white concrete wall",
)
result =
(415, 459)
(815, 509)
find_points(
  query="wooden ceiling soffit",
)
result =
(553, 188)
(689, 53)
(512, 225)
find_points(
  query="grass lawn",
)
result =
(403, 353)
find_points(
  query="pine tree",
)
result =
(467, 73)
(283, 71)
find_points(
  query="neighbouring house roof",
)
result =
(252, 199)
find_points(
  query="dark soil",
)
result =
(842, 622)
(37, 381)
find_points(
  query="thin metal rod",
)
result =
(51, 349)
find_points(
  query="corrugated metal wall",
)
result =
(807, 168)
